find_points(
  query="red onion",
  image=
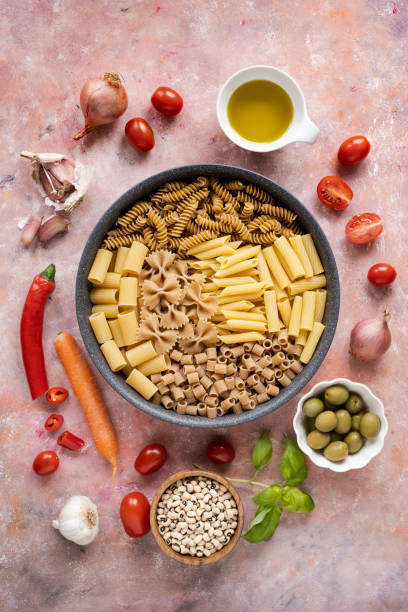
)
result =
(370, 338)
(103, 99)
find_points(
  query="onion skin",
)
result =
(371, 338)
(102, 99)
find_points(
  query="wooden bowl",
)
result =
(188, 559)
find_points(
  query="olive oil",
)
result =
(260, 111)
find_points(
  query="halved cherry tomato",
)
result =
(333, 192)
(56, 395)
(135, 514)
(353, 150)
(219, 451)
(70, 441)
(364, 228)
(140, 134)
(150, 459)
(381, 274)
(167, 101)
(45, 463)
(53, 422)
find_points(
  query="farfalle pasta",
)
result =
(208, 296)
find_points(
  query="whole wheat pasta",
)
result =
(247, 212)
(140, 208)
(167, 402)
(259, 194)
(201, 409)
(211, 412)
(236, 224)
(181, 406)
(272, 390)
(174, 186)
(186, 191)
(122, 241)
(190, 206)
(259, 238)
(134, 226)
(234, 185)
(160, 226)
(191, 409)
(222, 192)
(268, 374)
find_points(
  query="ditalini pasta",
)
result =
(207, 297)
(100, 267)
(100, 327)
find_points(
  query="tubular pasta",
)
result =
(249, 316)
(271, 311)
(209, 244)
(321, 295)
(111, 281)
(249, 264)
(104, 296)
(116, 333)
(240, 338)
(298, 246)
(100, 327)
(110, 310)
(307, 284)
(100, 267)
(246, 289)
(263, 271)
(128, 292)
(241, 254)
(141, 384)
(113, 355)
(129, 327)
(288, 258)
(155, 365)
(311, 342)
(308, 310)
(294, 323)
(141, 353)
(285, 309)
(121, 255)
(277, 271)
(242, 324)
(312, 254)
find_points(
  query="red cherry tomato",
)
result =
(140, 134)
(381, 274)
(135, 514)
(45, 463)
(167, 101)
(56, 395)
(353, 150)
(333, 192)
(150, 459)
(364, 228)
(219, 451)
(53, 422)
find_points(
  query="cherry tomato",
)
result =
(53, 422)
(381, 274)
(364, 228)
(150, 459)
(45, 463)
(333, 192)
(56, 395)
(353, 150)
(135, 514)
(219, 451)
(167, 101)
(140, 134)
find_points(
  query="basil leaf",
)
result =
(265, 528)
(262, 453)
(293, 465)
(296, 500)
(268, 497)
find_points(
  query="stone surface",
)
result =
(350, 553)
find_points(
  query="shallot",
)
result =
(370, 338)
(102, 99)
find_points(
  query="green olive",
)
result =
(336, 451)
(335, 437)
(343, 421)
(317, 439)
(336, 395)
(370, 425)
(354, 403)
(313, 406)
(326, 421)
(355, 421)
(354, 441)
(310, 424)
(328, 406)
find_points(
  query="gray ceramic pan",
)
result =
(186, 173)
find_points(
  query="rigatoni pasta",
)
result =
(100, 267)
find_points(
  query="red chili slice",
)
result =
(54, 422)
(70, 441)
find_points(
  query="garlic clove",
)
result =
(78, 521)
(43, 158)
(52, 226)
(30, 230)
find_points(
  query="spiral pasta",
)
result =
(259, 194)
(186, 191)
(117, 241)
(137, 209)
(260, 238)
(161, 230)
(234, 185)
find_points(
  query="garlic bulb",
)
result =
(78, 520)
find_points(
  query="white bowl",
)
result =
(301, 128)
(370, 449)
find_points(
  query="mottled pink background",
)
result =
(350, 58)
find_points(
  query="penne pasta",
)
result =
(240, 255)
(213, 253)
(307, 284)
(302, 337)
(210, 244)
(249, 264)
(294, 322)
(263, 271)
(240, 305)
(243, 325)
(311, 342)
(321, 295)
(278, 273)
(271, 312)
(312, 254)
(243, 290)
(298, 246)
(308, 310)
(288, 258)
(240, 338)
(285, 308)
(249, 316)
(233, 280)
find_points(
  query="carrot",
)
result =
(90, 398)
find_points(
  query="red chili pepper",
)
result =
(31, 327)
(56, 395)
(54, 422)
(68, 440)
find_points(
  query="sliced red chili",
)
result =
(70, 441)
(54, 422)
(56, 395)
